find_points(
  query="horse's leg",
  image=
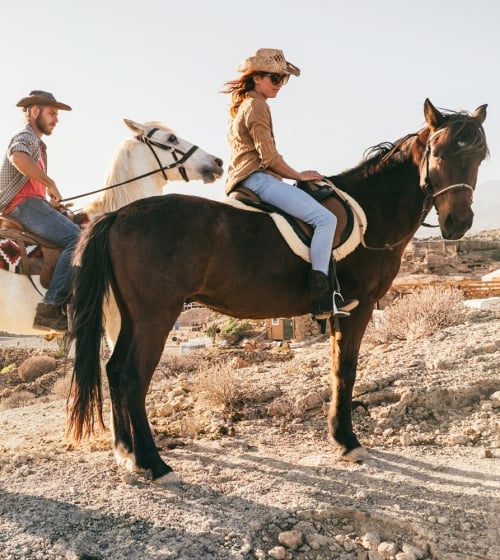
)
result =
(143, 356)
(345, 352)
(120, 424)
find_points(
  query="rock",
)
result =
(370, 541)
(291, 539)
(238, 363)
(415, 550)
(309, 401)
(317, 541)
(387, 549)
(277, 553)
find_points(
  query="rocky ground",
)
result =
(258, 477)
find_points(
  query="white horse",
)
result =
(143, 164)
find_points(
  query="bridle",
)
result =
(178, 161)
(428, 189)
(148, 140)
(429, 196)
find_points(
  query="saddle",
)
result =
(351, 220)
(29, 265)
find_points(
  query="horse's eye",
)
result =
(172, 139)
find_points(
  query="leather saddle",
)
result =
(323, 192)
(12, 229)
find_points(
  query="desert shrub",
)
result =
(212, 331)
(35, 366)
(63, 345)
(233, 330)
(18, 400)
(421, 313)
(221, 385)
(173, 366)
(495, 255)
(62, 386)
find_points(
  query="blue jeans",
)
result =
(38, 216)
(300, 205)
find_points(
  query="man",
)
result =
(24, 189)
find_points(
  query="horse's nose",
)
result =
(218, 162)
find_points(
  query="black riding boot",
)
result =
(326, 301)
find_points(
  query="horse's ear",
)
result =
(480, 114)
(432, 116)
(135, 127)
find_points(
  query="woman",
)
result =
(257, 165)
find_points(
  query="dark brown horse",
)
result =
(160, 252)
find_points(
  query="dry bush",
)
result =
(173, 366)
(221, 385)
(17, 400)
(426, 310)
(62, 386)
(35, 366)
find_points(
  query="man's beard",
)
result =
(41, 125)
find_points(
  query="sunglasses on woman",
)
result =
(277, 79)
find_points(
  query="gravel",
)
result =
(261, 481)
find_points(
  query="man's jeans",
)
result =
(300, 205)
(38, 216)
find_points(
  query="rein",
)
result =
(179, 161)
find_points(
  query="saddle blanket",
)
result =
(297, 245)
(10, 257)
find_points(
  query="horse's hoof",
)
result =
(356, 455)
(169, 479)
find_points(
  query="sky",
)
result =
(366, 68)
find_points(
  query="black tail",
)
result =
(91, 285)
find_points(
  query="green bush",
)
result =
(233, 330)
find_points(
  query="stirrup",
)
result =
(343, 311)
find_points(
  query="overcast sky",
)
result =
(367, 67)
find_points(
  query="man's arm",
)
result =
(26, 165)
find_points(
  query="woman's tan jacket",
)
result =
(251, 139)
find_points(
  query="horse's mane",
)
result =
(459, 136)
(118, 172)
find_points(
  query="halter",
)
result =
(429, 196)
(146, 139)
(175, 154)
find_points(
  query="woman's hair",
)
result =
(238, 89)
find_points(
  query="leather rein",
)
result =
(179, 156)
(429, 196)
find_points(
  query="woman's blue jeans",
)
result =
(300, 205)
(38, 216)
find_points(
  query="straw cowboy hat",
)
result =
(269, 60)
(39, 97)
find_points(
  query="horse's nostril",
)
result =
(219, 162)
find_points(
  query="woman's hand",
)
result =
(310, 176)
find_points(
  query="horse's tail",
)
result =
(91, 286)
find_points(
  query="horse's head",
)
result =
(455, 147)
(175, 158)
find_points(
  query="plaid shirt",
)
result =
(12, 180)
